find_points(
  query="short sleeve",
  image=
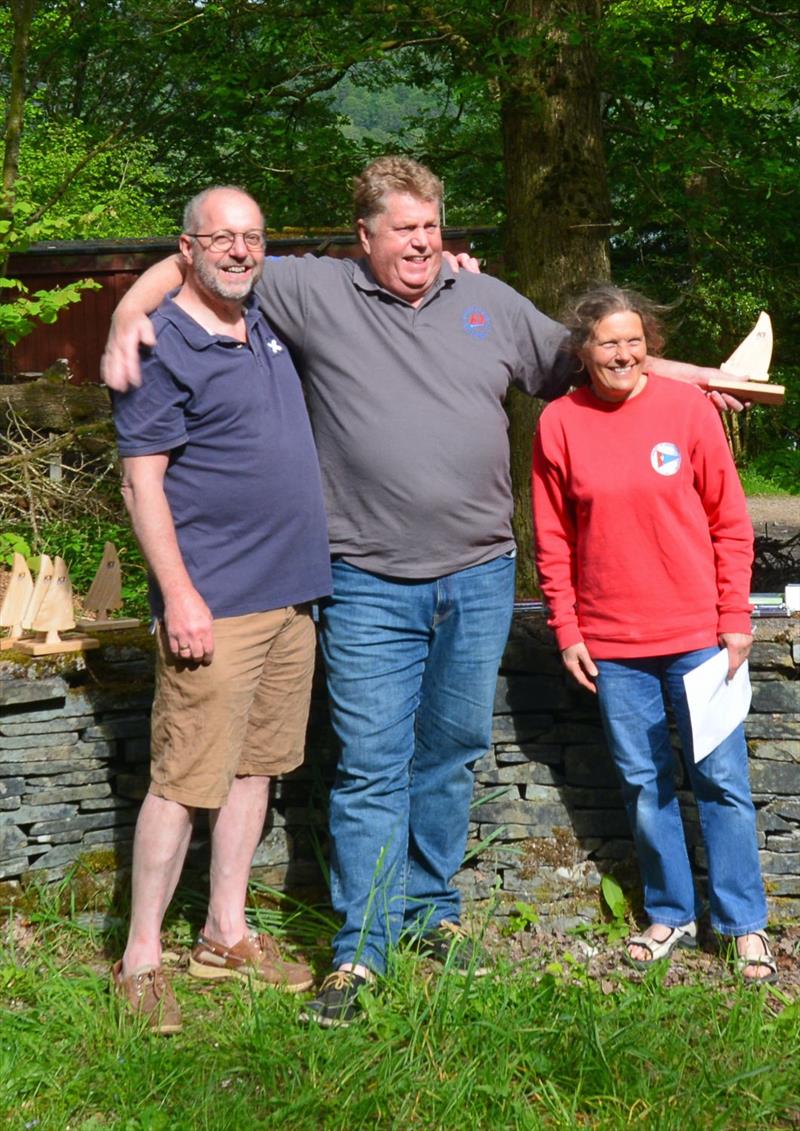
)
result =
(150, 417)
(546, 369)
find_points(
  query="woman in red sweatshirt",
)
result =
(644, 550)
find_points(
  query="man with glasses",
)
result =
(221, 480)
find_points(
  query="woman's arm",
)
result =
(717, 483)
(555, 551)
(581, 666)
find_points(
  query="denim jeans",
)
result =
(632, 704)
(412, 670)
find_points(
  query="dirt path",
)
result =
(777, 510)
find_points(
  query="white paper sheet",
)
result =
(716, 707)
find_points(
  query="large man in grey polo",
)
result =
(407, 406)
(406, 367)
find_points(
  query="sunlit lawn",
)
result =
(536, 1045)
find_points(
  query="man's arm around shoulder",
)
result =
(131, 327)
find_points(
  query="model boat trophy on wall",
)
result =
(50, 612)
(36, 614)
(105, 595)
(15, 601)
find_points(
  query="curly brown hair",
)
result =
(585, 311)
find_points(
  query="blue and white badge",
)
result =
(665, 458)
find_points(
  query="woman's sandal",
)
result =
(765, 958)
(678, 936)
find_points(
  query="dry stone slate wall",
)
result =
(547, 819)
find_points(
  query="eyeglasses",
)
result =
(224, 240)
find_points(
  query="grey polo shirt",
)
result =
(407, 406)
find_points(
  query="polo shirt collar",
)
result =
(365, 281)
(192, 332)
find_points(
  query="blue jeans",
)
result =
(631, 694)
(412, 671)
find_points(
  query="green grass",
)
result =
(534, 1046)
(759, 483)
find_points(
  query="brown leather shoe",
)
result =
(150, 996)
(254, 957)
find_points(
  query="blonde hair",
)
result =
(392, 174)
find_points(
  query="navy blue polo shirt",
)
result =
(243, 481)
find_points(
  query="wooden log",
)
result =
(55, 406)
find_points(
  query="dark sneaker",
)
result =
(337, 1005)
(451, 945)
(150, 996)
(254, 958)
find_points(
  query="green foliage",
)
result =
(774, 472)
(771, 438)
(756, 483)
(148, 92)
(118, 192)
(702, 146)
(615, 926)
(20, 311)
(441, 111)
(19, 317)
(525, 915)
(617, 904)
(10, 544)
(81, 546)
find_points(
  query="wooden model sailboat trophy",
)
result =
(751, 360)
(36, 614)
(15, 601)
(105, 595)
(50, 612)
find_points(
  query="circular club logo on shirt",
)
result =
(476, 322)
(665, 458)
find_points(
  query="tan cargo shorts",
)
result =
(244, 713)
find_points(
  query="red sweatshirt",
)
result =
(643, 542)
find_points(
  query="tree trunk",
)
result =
(557, 192)
(22, 17)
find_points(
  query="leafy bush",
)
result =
(11, 544)
(778, 468)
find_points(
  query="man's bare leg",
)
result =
(236, 829)
(163, 832)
